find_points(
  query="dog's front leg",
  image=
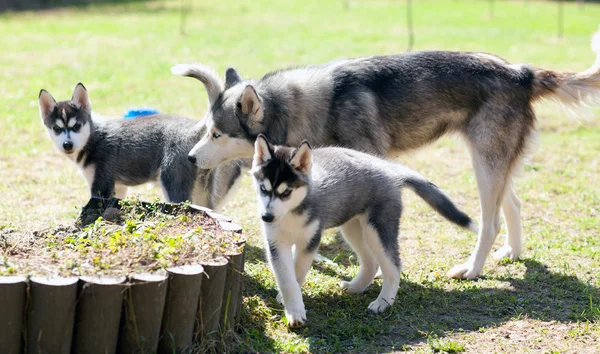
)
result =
(282, 263)
(102, 188)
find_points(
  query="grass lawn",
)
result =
(547, 302)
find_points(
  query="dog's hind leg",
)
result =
(511, 208)
(353, 234)
(490, 182)
(380, 230)
(177, 184)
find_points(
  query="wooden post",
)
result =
(409, 23)
(183, 295)
(13, 292)
(142, 315)
(98, 314)
(51, 314)
(231, 295)
(211, 298)
(561, 18)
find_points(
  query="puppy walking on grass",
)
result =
(302, 192)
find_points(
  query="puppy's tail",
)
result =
(573, 91)
(433, 196)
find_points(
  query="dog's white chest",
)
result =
(294, 229)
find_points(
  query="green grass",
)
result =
(547, 302)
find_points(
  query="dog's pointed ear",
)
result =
(212, 82)
(263, 151)
(251, 106)
(231, 78)
(81, 99)
(302, 158)
(47, 104)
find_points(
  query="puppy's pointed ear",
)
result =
(263, 151)
(81, 99)
(251, 106)
(47, 104)
(302, 158)
(231, 78)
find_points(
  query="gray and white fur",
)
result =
(385, 105)
(114, 154)
(302, 192)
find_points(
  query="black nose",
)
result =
(192, 158)
(268, 217)
(68, 145)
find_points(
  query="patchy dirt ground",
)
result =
(139, 240)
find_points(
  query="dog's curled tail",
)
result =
(572, 90)
(206, 74)
(435, 197)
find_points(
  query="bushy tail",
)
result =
(430, 193)
(439, 201)
(572, 90)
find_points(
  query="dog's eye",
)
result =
(239, 105)
(57, 129)
(76, 127)
(286, 193)
(263, 190)
(216, 135)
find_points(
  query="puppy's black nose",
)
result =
(268, 217)
(68, 145)
(192, 158)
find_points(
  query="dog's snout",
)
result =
(192, 158)
(68, 145)
(268, 217)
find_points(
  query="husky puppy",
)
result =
(116, 153)
(303, 192)
(384, 105)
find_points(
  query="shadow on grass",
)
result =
(340, 322)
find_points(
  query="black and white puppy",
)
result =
(116, 153)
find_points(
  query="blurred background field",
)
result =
(122, 52)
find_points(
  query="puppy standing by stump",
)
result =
(113, 154)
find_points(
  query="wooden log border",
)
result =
(161, 312)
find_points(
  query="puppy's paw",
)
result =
(351, 287)
(295, 316)
(380, 305)
(88, 216)
(279, 298)
(507, 252)
(464, 271)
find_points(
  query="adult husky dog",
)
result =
(387, 104)
(113, 154)
(302, 192)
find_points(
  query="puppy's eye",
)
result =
(57, 129)
(76, 127)
(216, 135)
(286, 193)
(239, 105)
(263, 190)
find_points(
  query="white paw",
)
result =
(507, 252)
(351, 287)
(295, 316)
(380, 305)
(464, 271)
(279, 298)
